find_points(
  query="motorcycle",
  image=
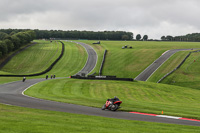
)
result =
(111, 105)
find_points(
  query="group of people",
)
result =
(52, 76)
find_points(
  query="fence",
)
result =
(103, 61)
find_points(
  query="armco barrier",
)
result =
(177, 66)
(103, 61)
(102, 78)
(43, 72)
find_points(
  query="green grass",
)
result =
(188, 75)
(168, 66)
(72, 62)
(39, 57)
(129, 63)
(9, 79)
(20, 120)
(136, 96)
(35, 59)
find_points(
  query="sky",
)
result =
(154, 18)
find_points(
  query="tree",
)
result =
(169, 38)
(12, 42)
(32, 34)
(3, 35)
(125, 37)
(163, 38)
(16, 41)
(138, 37)
(145, 37)
(9, 44)
(22, 37)
(3, 48)
(72, 34)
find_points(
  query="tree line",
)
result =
(194, 37)
(75, 34)
(14, 40)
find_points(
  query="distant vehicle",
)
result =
(97, 42)
(112, 104)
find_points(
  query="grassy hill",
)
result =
(34, 59)
(168, 66)
(136, 96)
(40, 56)
(188, 75)
(129, 63)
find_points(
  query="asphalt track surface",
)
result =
(143, 76)
(91, 61)
(13, 94)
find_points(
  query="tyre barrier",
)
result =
(177, 66)
(103, 61)
(43, 72)
(102, 78)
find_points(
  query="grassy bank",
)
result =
(136, 96)
(131, 62)
(34, 59)
(19, 120)
(72, 62)
(39, 57)
(188, 75)
(168, 66)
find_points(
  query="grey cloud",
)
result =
(153, 17)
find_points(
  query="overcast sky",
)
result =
(152, 17)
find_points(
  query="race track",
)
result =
(12, 94)
(91, 61)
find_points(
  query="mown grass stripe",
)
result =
(136, 96)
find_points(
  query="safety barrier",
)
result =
(103, 61)
(43, 72)
(102, 78)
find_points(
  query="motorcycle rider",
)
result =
(112, 104)
(114, 99)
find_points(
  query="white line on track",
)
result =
(166, 116)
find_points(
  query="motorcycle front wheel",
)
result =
(103, 107)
